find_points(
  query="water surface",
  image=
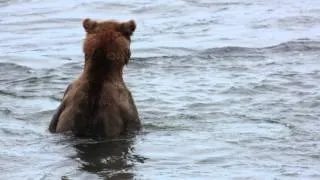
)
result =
(226, 90)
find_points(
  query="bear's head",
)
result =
(108, 41)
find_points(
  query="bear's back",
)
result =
(99, 112)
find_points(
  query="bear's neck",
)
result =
(98, 69)
(101, 73)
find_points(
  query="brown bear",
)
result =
(98, 103)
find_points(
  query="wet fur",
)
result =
(98, 104)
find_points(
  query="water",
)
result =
(226, 89)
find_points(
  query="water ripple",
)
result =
(226, 85)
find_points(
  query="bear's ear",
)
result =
(128, 28)
(89, 25)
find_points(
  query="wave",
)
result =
(290, 46)
(5, 66)
(300, 45)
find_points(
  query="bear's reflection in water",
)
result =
(110, 159)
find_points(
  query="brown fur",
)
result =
(98, 103)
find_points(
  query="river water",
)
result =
(226, 89)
